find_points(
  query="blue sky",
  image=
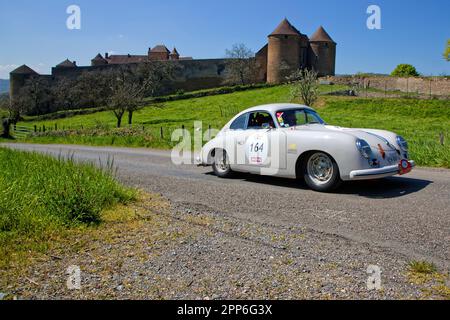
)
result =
(35, 33)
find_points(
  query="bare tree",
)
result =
(36, 92)
(305, 86)
(128, 85)
(242, 64)
(151, 77)
(93, 88)
(67, 94)
(15, 110)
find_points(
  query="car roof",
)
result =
(272, 108)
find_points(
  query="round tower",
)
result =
(323, 55)
(284, 52)
(17, 79)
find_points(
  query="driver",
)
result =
(289, 119)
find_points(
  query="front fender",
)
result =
(342, 147)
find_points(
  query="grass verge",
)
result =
(41, 197)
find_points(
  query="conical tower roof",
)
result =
(24, 69)
(321, 35)
(285, 28)
(174, 52)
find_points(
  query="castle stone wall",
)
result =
(433, 85)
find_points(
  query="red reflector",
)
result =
(404, 167)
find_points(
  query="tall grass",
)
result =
(41, 195)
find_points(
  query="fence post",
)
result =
(35, 128)
(15, 127)
(441, 138)
(209, 132)
(430, 89)
(56, 127)
(43, 128)
(161, 133)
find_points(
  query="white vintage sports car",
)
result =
(292, 141)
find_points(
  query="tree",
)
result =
(447, 51)
(405, 70)
(15, 109)
(128, 85)
(151, 77)
(242, 65)
(305, 86)
(67, 94)
(93, 88)
(36, 92)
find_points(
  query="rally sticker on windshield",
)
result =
(257, 149)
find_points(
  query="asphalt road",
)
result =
(407, 217)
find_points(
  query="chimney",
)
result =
(106, 55)
(75, 63)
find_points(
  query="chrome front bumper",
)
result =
(377, 173)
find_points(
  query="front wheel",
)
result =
(221, 165)
(321, 172)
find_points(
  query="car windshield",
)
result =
(297, 117)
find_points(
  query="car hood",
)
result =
(372, 139)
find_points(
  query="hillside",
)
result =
(4, 85)
(421, 122)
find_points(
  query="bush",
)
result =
(405, 70)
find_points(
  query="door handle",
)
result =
(241, 142)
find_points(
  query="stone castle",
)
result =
(286, 51)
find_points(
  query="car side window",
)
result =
(312, 118)
(260, 120)
(291, 118)
(239, 123)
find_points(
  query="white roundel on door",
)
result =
(257, 149)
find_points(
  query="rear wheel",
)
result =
(221, 165)
(321, 172)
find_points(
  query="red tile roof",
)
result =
(160, 48)
(66, 64)
(126, 58)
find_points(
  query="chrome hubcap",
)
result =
(221, 162)
(320, 168)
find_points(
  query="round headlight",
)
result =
(364, 148)
(402, 143)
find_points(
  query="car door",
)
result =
(261, 147)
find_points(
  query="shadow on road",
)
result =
(392, 187)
